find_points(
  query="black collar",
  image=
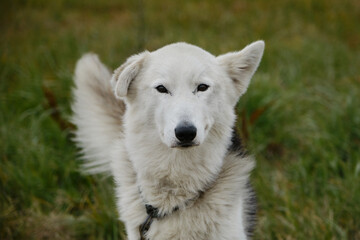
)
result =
(153, 213)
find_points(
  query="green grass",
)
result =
(300, 116)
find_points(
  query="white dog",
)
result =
(162, 124)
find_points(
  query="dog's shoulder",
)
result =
(237, 149)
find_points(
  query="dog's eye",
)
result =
(162, 89)
(202, 87)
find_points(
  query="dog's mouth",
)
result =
(185, 145)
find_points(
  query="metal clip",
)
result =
(145, 227)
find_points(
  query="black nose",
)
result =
(185, 133)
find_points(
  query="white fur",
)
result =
(139, 144)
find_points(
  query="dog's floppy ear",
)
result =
(241, 66)
(127, 72)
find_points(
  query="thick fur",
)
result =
(126, 126)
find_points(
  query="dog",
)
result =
(163, 126)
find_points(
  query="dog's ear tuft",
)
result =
(127, 72)
(241, 66)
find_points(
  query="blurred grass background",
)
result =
(300, 116)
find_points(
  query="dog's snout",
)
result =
(185, 133)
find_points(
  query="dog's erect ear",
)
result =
(127, 72)
(241, 66)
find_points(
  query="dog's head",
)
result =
(183, 91)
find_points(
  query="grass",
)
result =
(300, 116)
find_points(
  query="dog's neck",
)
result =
(173, 177)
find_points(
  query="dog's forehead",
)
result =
(182, 48)
(181, 57)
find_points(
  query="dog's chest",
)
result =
(206, 219)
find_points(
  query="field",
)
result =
(300, 117)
